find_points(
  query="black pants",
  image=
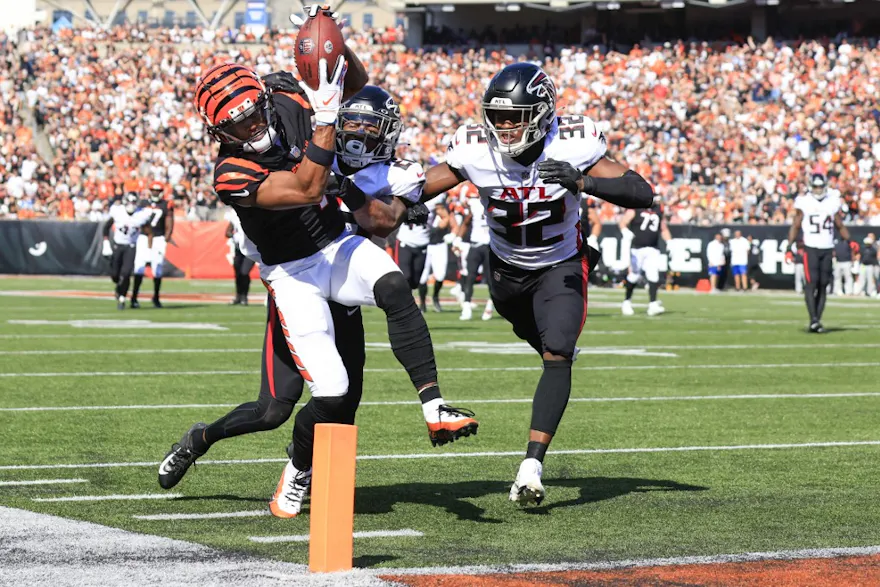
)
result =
(547, 307)
(242, 266)
(411, 261)
(121, 268)
(477, 255)
(818, 274)
(281, 384)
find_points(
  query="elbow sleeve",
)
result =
(630, 190)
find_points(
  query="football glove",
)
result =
(325, 101)
(417, 214)
(789, 257)
(561, 173)
(107, 249)
(311, 11)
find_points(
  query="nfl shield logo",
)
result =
(295, 152)
(306, 46)
(525, 174)
(496, 276)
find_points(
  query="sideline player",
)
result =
(162, 226)
(241, 263)
(474, 218)
(530, 168)
(644, 228)
(441, 230)
(822, 213)
(128, 222)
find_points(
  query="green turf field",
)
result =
(640, 383)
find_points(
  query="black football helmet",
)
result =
(368, 128)
(523, 94)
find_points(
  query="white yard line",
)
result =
(369, 534)
(111, 497)
(436, 455)
(443, 346)
(141, 335)
(525, 400)
(211, 516)
(42, 482)
(457, 369)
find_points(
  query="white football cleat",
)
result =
(291, 492)
(528, 487)
(457, 293)
(487, 313)
(467, 312)
(627, 308)
(655, 308)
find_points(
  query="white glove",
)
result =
(311, 11)
(448, 238)
(627, 233)
(107, 250)
(593, 241)
(327, 99)
(456, 242)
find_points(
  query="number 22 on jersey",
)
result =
(522, 222)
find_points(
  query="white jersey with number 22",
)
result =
(532, 224)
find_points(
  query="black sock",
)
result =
(810, 296)
(652, 290)
(157, 285)
(138, 279)
(263, 414)
(536, 450)
(407, 329)
(630, 288)
(430, 393)
(821, 296)
(551, 396)
(423, 292)
(438, 285)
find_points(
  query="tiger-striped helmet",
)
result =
(236, 106)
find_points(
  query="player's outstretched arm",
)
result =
(795, 227)
(607, 179)
(356, 77)
(841, 227)
(664, 231)
(440, 178)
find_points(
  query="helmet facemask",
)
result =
(512, 129)
(364, 137)
(156, 196)
(817, 187)
(250, 126)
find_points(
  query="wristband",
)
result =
(319, 155)
(353, 197)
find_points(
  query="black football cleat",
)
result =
(135, 304)
(437, 306)
(157, 303)
(450, 424)
(816, 328)
(235, 302)
(179, 459)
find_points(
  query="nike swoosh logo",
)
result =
(241, 194)
(420, 175)
(330, 99)
(352, 311)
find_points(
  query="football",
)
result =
(319, 37)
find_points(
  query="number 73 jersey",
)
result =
(532, 224)
(818, 223)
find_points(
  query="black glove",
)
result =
(560, 172)
(282, 81)
(417, 214)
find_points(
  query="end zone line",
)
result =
(211, 516)
(524, 400)
(437, 455)
(42, 482)
(110, 497)
(634, 563)
(458, 369)
(406, 532)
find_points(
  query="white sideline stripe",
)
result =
(42, 482)
(111, 497)
(434, 455)
(212, 516)
(456, 369)
(139, 336)
(442, 347)
(524, 400)
(369, 534)
(634, 563)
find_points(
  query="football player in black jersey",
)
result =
(162, 223)
(644, 228)
(273, 168)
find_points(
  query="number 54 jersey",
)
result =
(532, 224)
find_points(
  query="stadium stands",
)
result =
(726, 132)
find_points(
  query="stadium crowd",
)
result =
(725, 132)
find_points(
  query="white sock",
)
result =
(431, 409)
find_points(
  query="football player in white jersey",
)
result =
(818, 213)
(531, 168)
(127, 222)
(474, 218)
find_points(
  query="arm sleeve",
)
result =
(236, 178)
(407, 182)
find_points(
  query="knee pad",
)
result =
(633, 278)
(275, 414)
(329, 409)
(392, 291)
